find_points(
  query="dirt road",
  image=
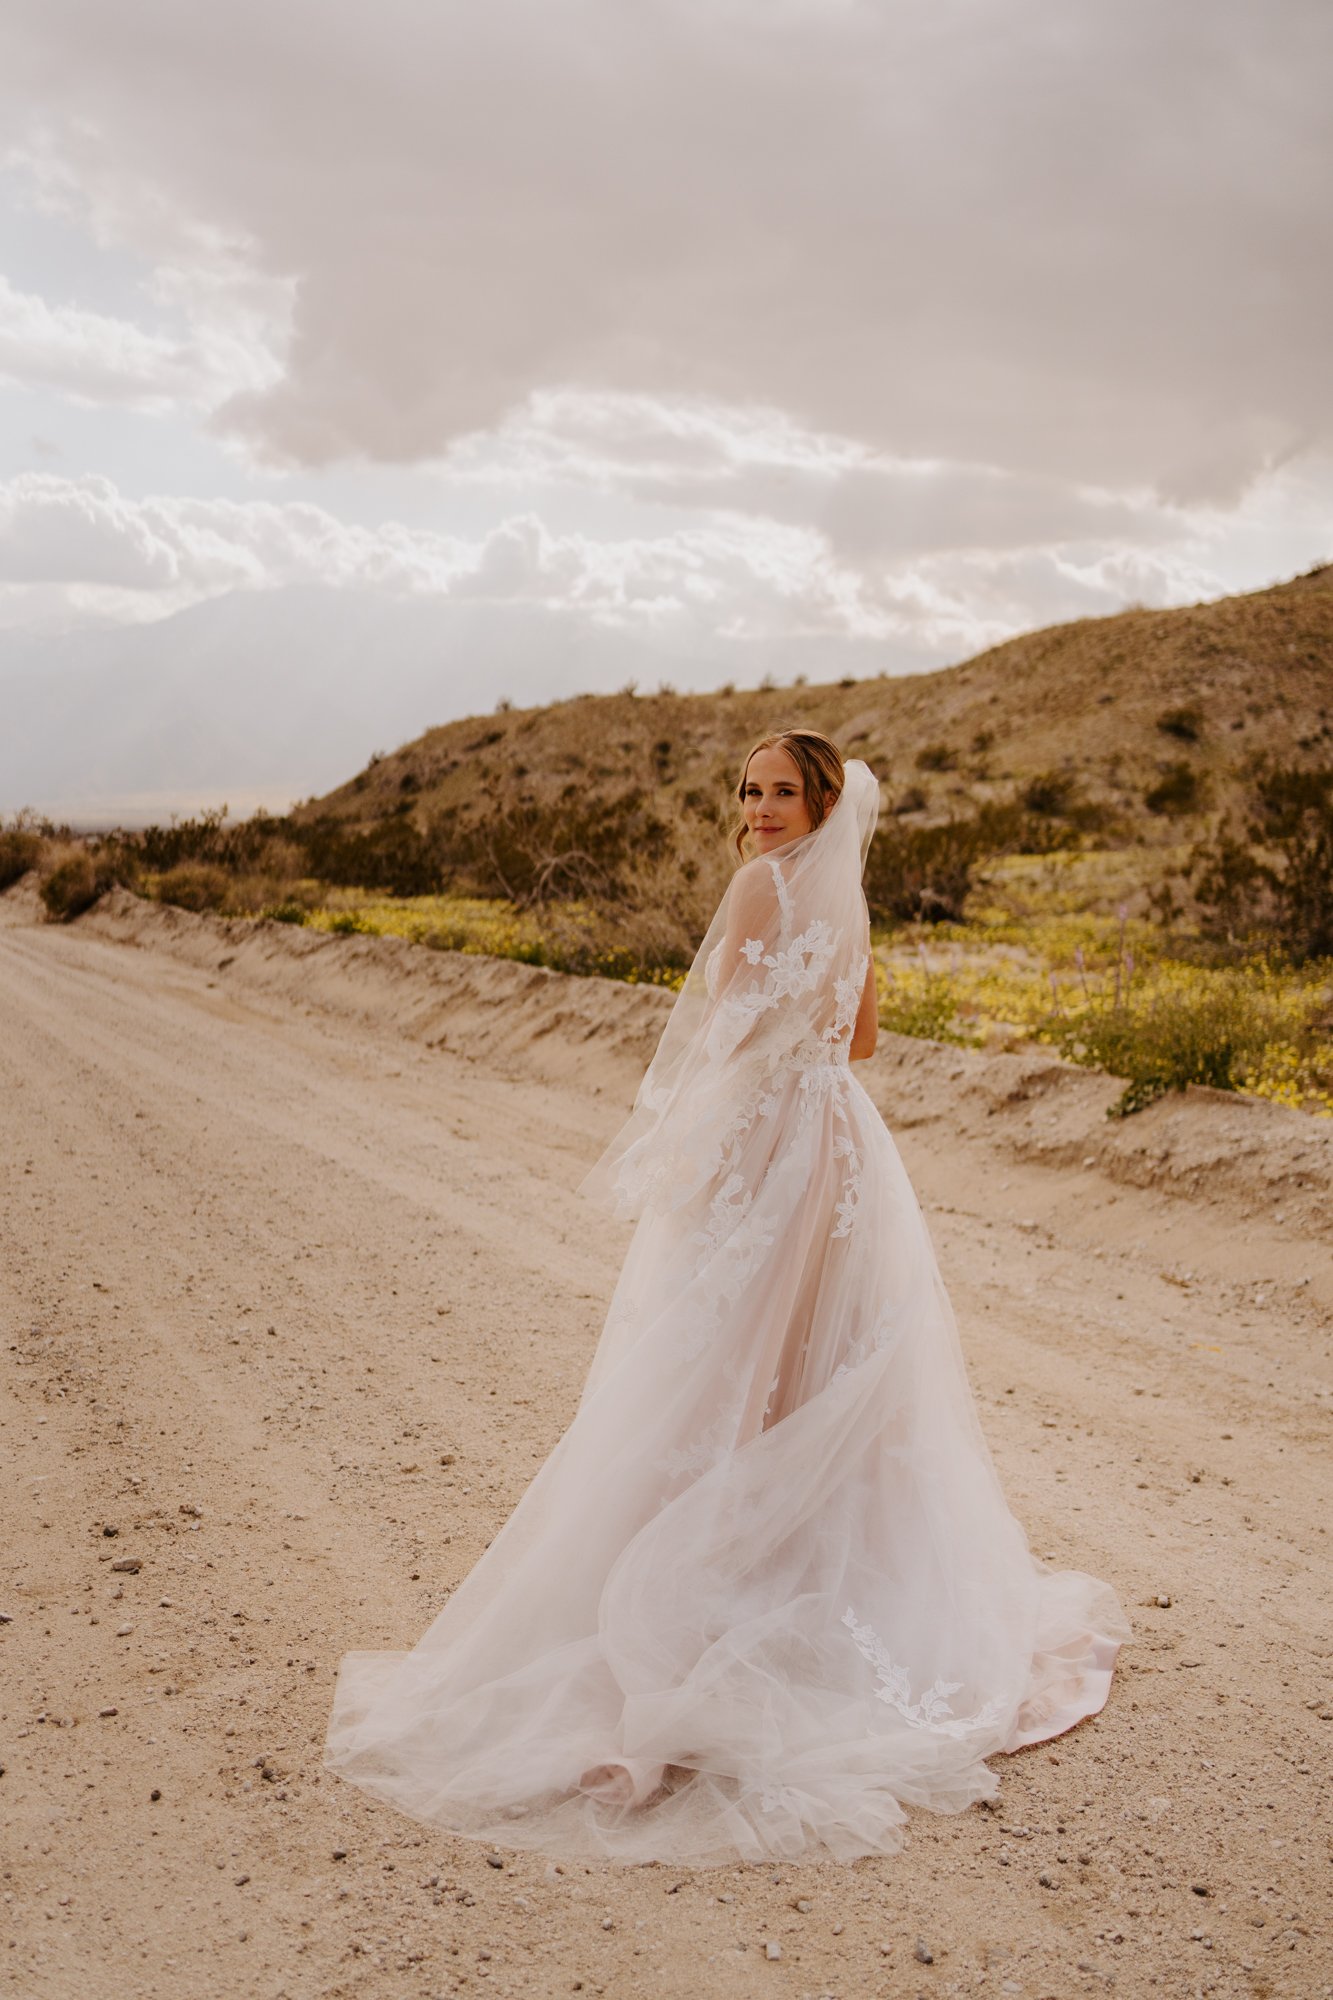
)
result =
(295, 1301)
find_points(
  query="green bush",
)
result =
(286, 913)
(194, 885)
(1207, 1035)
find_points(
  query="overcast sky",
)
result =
(742, 335)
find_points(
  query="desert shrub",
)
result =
(1051, 794)
(394, 854)
(1208, 1034)
(76, 881)
(535, 852)
(936, 757)
(912, 799)
(1178, 790)
(927, 872)
(286, 913)
(1274, 879)
(1184, 723)
(20, 850)
(194, 885)
(254, 895)
(923, 872)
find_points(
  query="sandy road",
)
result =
(294, 1304)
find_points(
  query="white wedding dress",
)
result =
(766, 1593)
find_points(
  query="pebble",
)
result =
(128, 1566)
(803, 1906)
(340, 1854)
(1162, 1600)
(923, 1953)
(108, 1711)
(607, 1924)
(772, 1949)
(123, 1631)
(495, 1861)
(109, 1531)
(1047, 1880)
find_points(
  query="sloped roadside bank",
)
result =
(1259, 1159)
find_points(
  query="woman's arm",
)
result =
(866, 1029)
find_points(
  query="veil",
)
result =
(774, 987)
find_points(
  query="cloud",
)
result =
(77, 551)
(1076, 245)
(87, 355)
(747, 576)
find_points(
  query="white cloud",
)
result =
(87, 355)
(81, 545)
(1075, 245)
(752, 576)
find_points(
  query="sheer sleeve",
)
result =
(769, 991)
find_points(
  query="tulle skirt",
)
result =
(766, 1594)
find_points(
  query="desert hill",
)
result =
(1188, 697)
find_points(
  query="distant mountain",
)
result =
(267, 698)
(262, 698)
(1120, 704)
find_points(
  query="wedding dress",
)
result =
(766, 1593)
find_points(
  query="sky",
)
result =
(363, 365)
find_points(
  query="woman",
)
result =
(766, 1592)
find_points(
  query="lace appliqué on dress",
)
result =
(845, 1211)
(933, 1711)
(882, 1335)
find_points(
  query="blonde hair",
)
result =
(819, 761)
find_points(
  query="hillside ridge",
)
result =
(1115, 702)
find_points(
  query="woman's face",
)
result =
(774, 802)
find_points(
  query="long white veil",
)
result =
(775, 984)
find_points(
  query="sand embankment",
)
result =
(298, 1294)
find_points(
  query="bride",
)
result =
(766, 1593)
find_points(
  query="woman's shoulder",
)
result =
(754, 889)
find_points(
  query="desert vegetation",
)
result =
(1131, 862)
